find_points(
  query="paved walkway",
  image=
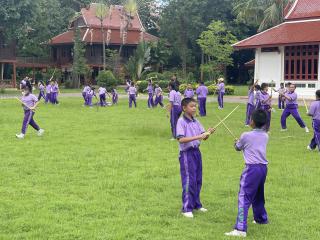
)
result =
(227, 99)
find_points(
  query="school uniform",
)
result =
(250, 106)
(190, 163)
(41, 92)
(102, 96)
(159, 97)
(150, 93)
(176, 110)
(291, 109)
(188, 93)
(48, 94)
(114, 96)
(90, 95)
(54, 92)
(221, 92)
(315, 113)
(266, 106)
(281, 100)
(254, 147)
(258, 100)
(84, 94)
(132, 91)
(202, 92)
(29, 100)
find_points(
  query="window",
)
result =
(301, 62)
(312, 85)
(299, 85)
(270, 49)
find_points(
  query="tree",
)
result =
(137, 62)
(216, 45)
(79, 62)
(159, 54)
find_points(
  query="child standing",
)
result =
(314, 112)
(202, 92)
(291, 109)
(265, 100)
(189, 93)
(189, 134)
(85, 90)
(102, 96)
(48, 93)
(90, 95)
(254, 147)
(174, 108)
(250, 104)
(159, 97)
(41, 91)
(30, 103)
(150, 93)
(221, 92)
(54, 92)
(281, 101)
(132, 91)
(114, 96)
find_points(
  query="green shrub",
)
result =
(212, 89)
(230, 90)
(2, 90)
(190, 78)
(167, 75)
(182, 87)
(155, 76)
(208, 83)
(164, 85)
(142, 85)
(107, 80)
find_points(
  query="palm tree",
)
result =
(266, 13)
(102, 10)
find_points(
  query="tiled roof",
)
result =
(304, 9)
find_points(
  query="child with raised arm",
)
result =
(190, 133)
(250, 104)
(254, 147)
(29, 103)
(159, 96)
(41, 91)
(265, 100)
(314, 112)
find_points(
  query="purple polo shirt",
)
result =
(282, 90)
(175, 98)
(150, 88)
(48, 88)
(132, 90)
(221, 88)
(258, 96)
(158, 91)
(254, 146)
(55, 88)
(85, 89)
(293, 97)
(314, 110)
(30, 100)
(251, 97)
(114, 91)
(189, 128)
(189, 93)
(264, 99)
(202, 91)
(41, 87)
(102, 91)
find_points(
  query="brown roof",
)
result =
(288, 33)
(304, 9)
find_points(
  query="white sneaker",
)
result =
(188, 214)
(202, 209)
(309, 148)
(236, 233)
(172, 139)
(20, 136)
(40, 132)
(307, 129)
(254, 222)
(246, 125)
(284, 130)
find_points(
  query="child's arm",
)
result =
(203, 136)
(239, 143)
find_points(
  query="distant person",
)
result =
(102, 96)
(114, 96)
(189, 92)
(132, 92)
(281, 101)
(150, 94)
(314, 112)
(41, 87)
(174, 108)
(250, 104)
(159, 96)
(202, 92)
(221, 92)
(175, 81)
(265, 99)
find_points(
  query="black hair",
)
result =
(172, 86)
(281, 84)
(292, 84)
(264, 85)
(28, 86)
(132, 84)
(318, 93)
(186, 101)
(257, 87)
(201, 82)
(259, 117)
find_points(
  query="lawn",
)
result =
(113, 174)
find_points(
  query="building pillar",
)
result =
(14, 77)
(2, 72)
(318, 83)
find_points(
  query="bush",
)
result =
(208, 83)
(107, 80)
(213, 90)
(190, 78)
(142, 85)
(164, 85)
(230, 90)
(182, 87)
(155, 76)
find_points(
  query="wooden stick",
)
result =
(226, 117)
(25, 105)
(305, 104)
(225, 125)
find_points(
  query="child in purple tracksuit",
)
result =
(250, 104)
(41, 91)
(159, 97)
(257, 97)
(202, 92)
(189, 93)
(114, 96)
(254, 147)
(281, 101)
(90, 94)
(54, 92)
(30, 102)
(132, 92)
(85, 91)
(48, 93)
(150, 93)
(314, 112)
(189, 134)
(102, 95)
(265, 100)
(175, 108)
(291, 109)
(221, 92)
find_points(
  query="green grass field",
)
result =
(114, 174)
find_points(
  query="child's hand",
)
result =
(205, 135)
(236, 140)
(32, 108)
(211, 130)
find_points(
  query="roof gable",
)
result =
(304, 9)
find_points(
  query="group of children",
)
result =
(49, 92)
(88, 93)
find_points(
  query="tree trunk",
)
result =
(103, 47)
(202, 62)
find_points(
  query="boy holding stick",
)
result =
(314, 112)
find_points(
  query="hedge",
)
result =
(212, 89)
